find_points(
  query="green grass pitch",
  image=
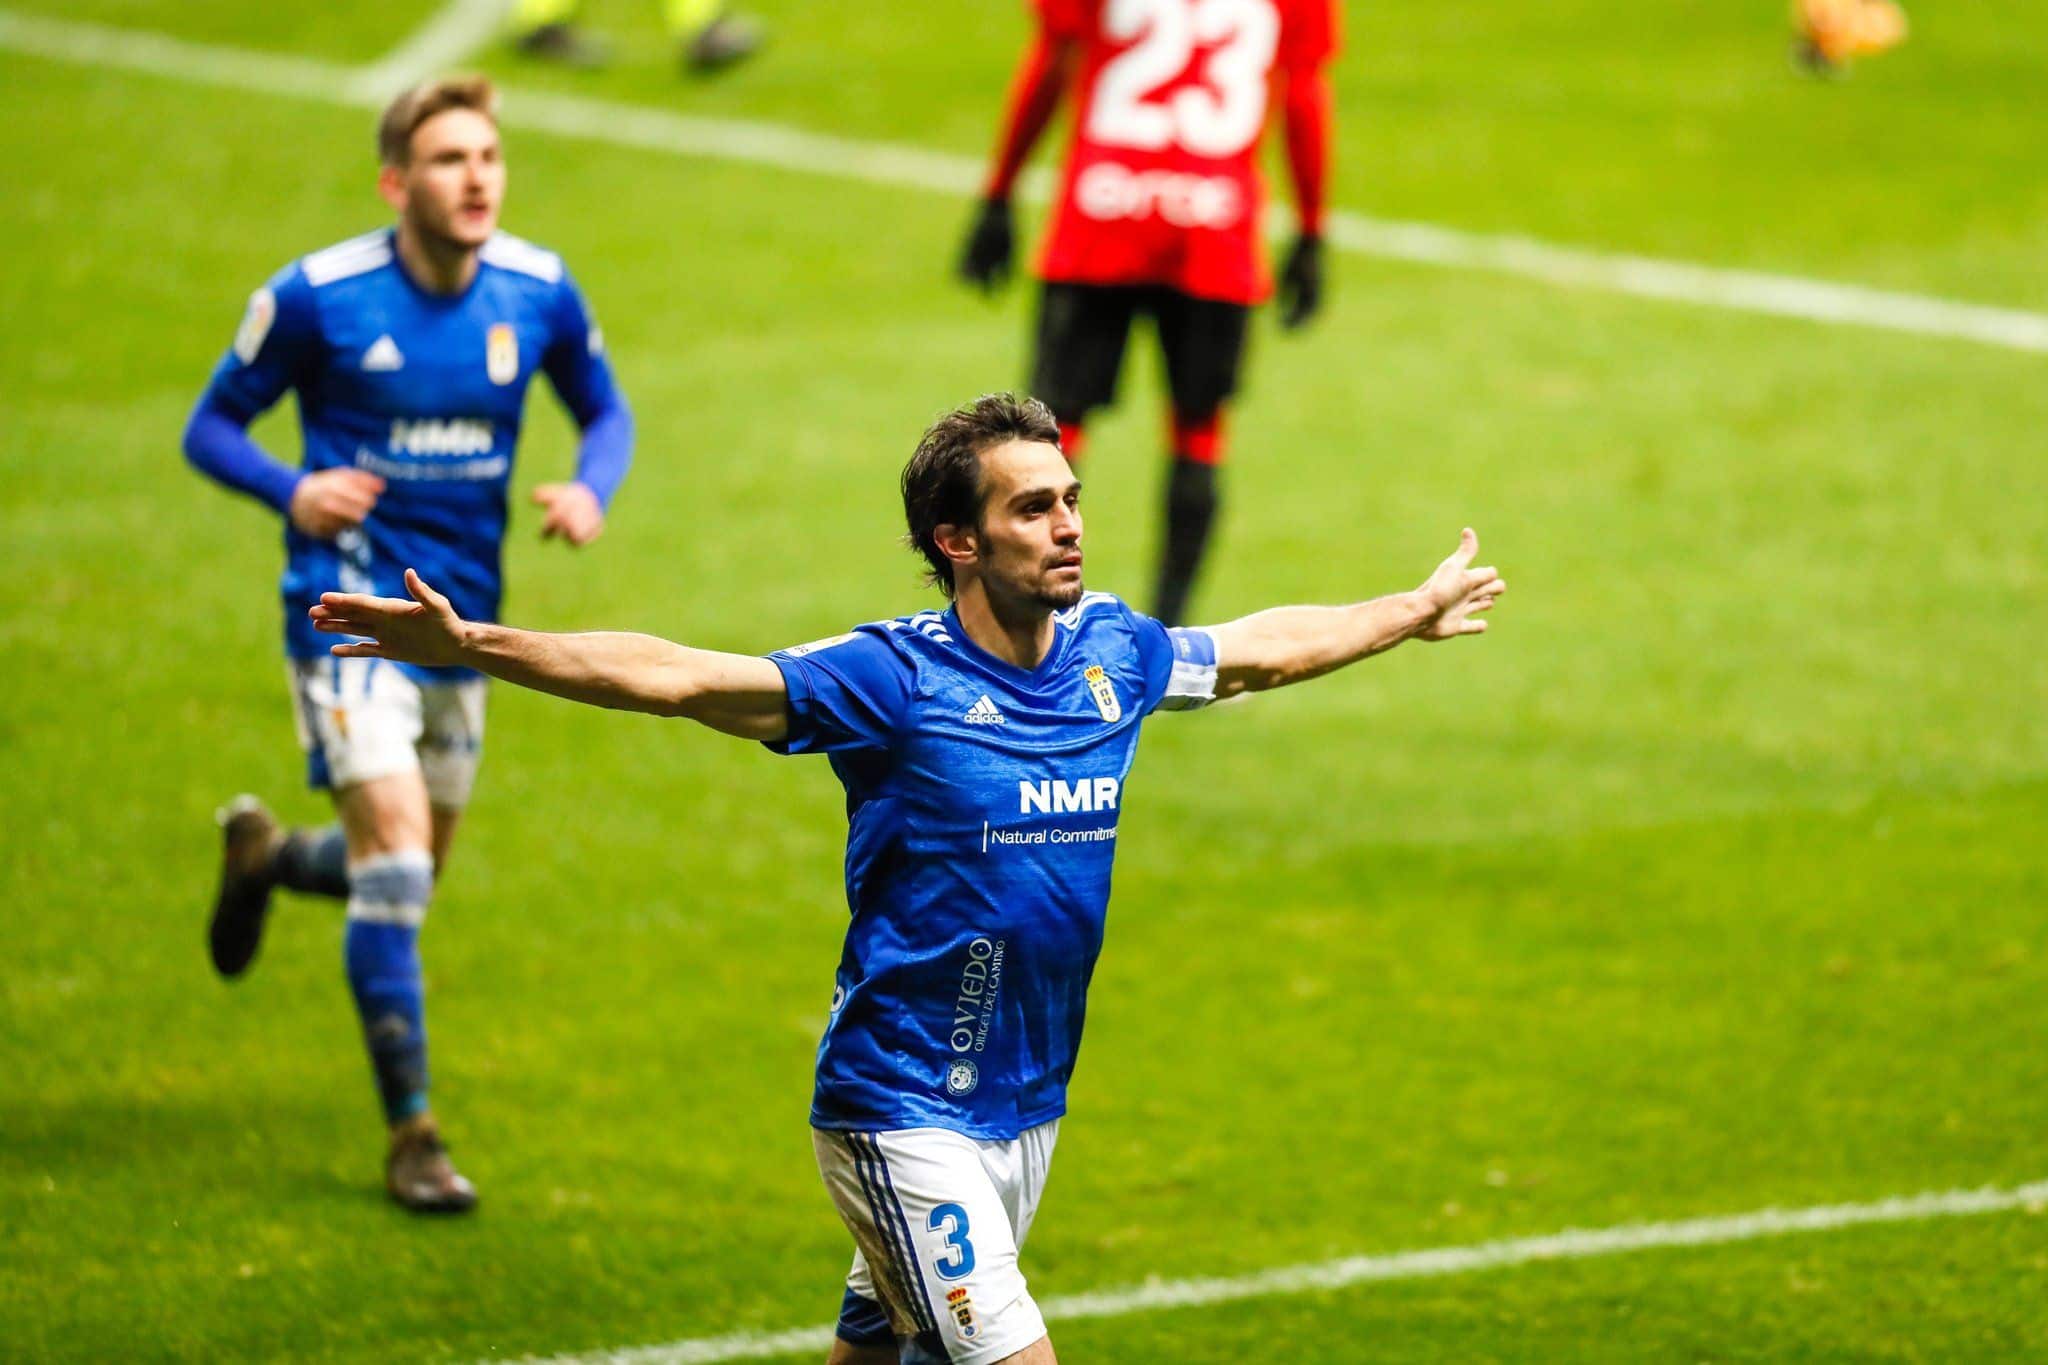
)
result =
(1712, 879)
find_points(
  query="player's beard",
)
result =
(1045, 594)
(1059, 599)
(1038, 591)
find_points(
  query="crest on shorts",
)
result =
(962, 1309)
(1105, 696)
(961, 1077)
(501, 353)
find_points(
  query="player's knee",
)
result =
(386, 815)
(1198, 436)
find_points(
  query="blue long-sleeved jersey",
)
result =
(982, 805)
(424, 390)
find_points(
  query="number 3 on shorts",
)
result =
(951, 1220)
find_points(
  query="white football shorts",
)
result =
(937, 1219)
(360, 719)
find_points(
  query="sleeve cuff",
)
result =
(1191, 684)
(796, 683)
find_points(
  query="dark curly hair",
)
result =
(942, 482)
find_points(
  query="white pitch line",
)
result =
(1322, 1276)
(1750, 291)
(883, 163)
(155, 54)
(456, 30)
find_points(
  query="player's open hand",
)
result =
(326, 503)
(1458, 592)
(985, 263)
(574, 512)
(424, 631)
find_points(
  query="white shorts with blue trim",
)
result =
(937, 1219)
(361, 719)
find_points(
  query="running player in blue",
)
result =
(984, 750)
(410, 350)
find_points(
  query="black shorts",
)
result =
(1081, 334)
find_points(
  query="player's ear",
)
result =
(957, 543)
(391, 185)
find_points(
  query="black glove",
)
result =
(1301, 282)
(986, 261)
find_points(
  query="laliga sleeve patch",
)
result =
(255, 326)
(799, 651)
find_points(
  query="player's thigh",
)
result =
(451, 740)
(1205, 344)
(1082, 329)
(389, 814)
(934, 1230)
(359, 720)
(864, 1332)
(446, 820)
(1019, 1170)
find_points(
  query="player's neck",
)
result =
(1018, 633)
(435, 264)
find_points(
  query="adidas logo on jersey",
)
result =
(984, 712)
(383, 355)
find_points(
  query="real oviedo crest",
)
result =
(1105, 696)
(501, 353)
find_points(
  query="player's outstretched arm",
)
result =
(1293, 644)
(733, 693)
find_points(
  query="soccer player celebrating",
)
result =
(410, 350)
(984, 750)
(1158, 212)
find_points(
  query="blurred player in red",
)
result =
(1159, 211)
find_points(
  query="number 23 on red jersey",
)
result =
(1186, 75)
(1161, 184)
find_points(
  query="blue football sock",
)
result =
(387, 903)
(314, 860)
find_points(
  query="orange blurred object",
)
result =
(1834, 31)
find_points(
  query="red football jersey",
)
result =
(1162, 184)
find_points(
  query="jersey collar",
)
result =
(1003, 668)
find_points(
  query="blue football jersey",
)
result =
(425, 390)
(982, 803)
